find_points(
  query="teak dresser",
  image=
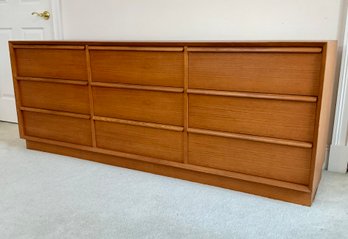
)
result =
(249, 116)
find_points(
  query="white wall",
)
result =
(200, 19)
(338, 160)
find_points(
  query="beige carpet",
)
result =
(50, 196)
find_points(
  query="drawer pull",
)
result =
(311, 99)
(257, 49)
(53, 80)
(293, 143)
(139, 87)
(138, 123)
(126, 48)
(50, 47)
(52, 112)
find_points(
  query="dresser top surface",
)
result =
(182, 43)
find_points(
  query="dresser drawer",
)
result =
(139, 105)
(52, 96)
(272, 118)
(56, 127)
(138, 67)
(283, 73)
(286, 163)
(67, 64)
(151, 142)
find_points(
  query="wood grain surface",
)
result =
(51, 63)
(156, 143)
(147, 106)
(280, 162)
(60, 128)
(52, 96)
(281, 73)
(272, 118)
(136, 67)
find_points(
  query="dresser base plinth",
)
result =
(298, 197)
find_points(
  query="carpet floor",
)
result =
(44, 196)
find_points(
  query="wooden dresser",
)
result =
(249, 116)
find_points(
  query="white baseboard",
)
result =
(326, 159)
(8, 109)
(338, 159)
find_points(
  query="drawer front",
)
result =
(272, 118)
(51, 63)
(60, 128)
(151, 142)
(147, 106)
(52, 96)
(136, 67)
(279, 162)
(283, 73)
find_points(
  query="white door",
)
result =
(18, 23)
